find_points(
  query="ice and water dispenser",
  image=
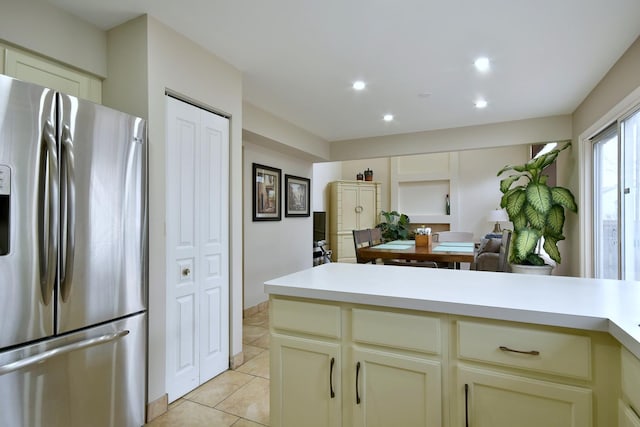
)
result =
(5, 196)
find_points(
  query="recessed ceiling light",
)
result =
(387, 117)
(482, 64)
(481, 103)
(359, 85)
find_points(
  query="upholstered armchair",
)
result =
(492, 253)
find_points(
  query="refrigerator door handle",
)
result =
(69, 219)
(48, 192)
(54, 352)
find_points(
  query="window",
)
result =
(616, 210)
(605, 209)
(630, 206)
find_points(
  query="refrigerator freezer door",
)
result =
(103, 207)
(100, 384)
(28, 161)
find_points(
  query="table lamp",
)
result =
(497, 216)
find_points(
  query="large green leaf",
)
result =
(524, 243)
(515, 202)
(539, 196)
(520, 168)
(535, 218)
(551, 247)
(564, 198)
(519, 221)
(555, 219)
(545, 160)
(534, 259)
(507, 182)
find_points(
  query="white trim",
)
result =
(585, 170)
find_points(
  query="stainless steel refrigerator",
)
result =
(73, 261)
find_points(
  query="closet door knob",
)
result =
(186, 272)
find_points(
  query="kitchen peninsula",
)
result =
(356, 344)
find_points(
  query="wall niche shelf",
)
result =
(419, 186)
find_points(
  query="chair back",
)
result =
(503, 258)
(376, 236)
(453, 236)
(361, 239)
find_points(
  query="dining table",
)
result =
(445, 252)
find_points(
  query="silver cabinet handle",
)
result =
(48, 190)
(186, 272)
(359, 209)
(69, 220)
(531, 352)
(42, 357)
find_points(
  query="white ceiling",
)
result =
(300, 57)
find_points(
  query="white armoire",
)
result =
(355, 205)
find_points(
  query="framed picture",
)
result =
(266, 193)
(297, 196)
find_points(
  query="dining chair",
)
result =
(376, 236)
(503, 258)
(362, 239)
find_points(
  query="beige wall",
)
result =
(172, 62)
(74, 42)
(273, 248)
(263, 128)
(464, 138)
(622, 79)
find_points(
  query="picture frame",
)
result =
(297, 196)
(266, 193)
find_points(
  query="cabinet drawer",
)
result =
(630, 378)
(306, 317)
(397, 330)
(557, 353)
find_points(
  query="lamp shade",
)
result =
(498, 215)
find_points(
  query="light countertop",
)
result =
(592, 304)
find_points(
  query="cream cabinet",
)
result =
(305, 364)
(34, 69)
(387, 379)
(305, 378)
(517, 374)
(354, 205)
(398, 376)
(629, 404)
(495, 399)
(338, 363)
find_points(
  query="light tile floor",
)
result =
(237, 398)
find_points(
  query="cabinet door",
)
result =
(368, 211)
(494, 399)
(49, 74)
(347, 249)
(350, 208)
(305, 382)
(394, 390)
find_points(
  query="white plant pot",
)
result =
(531, 269)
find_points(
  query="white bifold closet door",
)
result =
(197, 219)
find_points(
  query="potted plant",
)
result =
(536, 210)
(396, 226)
